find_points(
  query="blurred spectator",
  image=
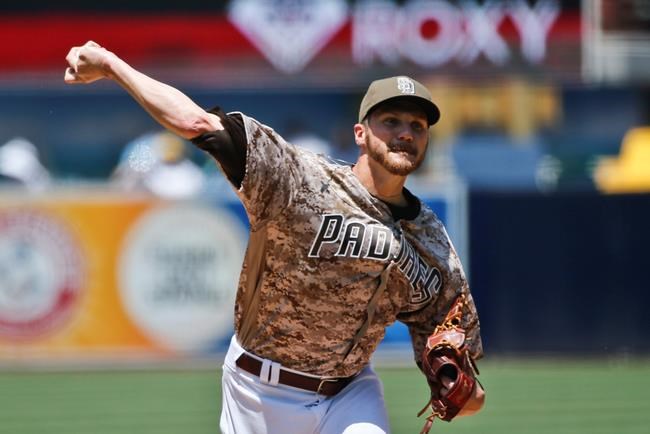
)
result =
(159, 163)
(19, 162)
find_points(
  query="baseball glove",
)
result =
(446, 355)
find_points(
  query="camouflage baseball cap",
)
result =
(385, 89)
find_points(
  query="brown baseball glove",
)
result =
(446, 355)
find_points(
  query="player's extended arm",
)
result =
(167, 105)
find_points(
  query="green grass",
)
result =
(557, 397)
(524, 397)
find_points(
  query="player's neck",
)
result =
(379, 182)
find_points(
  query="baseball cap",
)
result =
(385, 89)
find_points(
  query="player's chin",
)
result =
(402, 164)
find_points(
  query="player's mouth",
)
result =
(402, 148)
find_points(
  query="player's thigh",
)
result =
(359, 408)
(249, 407)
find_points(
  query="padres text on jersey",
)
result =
(373, 241)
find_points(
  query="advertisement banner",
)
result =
(342, 37)
(100, 276)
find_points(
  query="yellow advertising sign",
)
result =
(97, 275)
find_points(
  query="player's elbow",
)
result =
(198, 123)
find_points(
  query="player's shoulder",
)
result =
(253, 127)
(426, 213)
(334, 163)
(311, 161)
(427, 218)
(323, 166)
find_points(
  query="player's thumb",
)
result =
(70, 76)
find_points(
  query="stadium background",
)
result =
(115, 296)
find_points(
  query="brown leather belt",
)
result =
(323, 386)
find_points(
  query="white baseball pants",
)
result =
(252, 407)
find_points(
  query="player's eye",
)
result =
(418, 127)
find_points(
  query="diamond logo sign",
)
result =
(289, 33)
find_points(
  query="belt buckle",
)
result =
(323, 381)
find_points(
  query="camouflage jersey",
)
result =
(328, 268)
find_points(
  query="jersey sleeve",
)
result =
(227, 146)
(423, 322)
(274, 171)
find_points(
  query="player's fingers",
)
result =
(446, 382)
(70, 76)
(92, 44)
(73, 57)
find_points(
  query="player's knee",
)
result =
(364, 428)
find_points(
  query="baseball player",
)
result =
(336, 254)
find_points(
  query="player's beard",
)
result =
(392, 163)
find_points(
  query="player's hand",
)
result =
(87, 63)
(447, 384)
(473, 405)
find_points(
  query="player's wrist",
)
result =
(109, 65)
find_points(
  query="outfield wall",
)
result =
(564, 274)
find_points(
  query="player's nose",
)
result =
(406, 134)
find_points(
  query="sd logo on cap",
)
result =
(386, 89)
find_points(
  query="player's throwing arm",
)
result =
(167, 105)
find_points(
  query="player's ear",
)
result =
(360, 134)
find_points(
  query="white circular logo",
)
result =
(178, 274)
(40, 273)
